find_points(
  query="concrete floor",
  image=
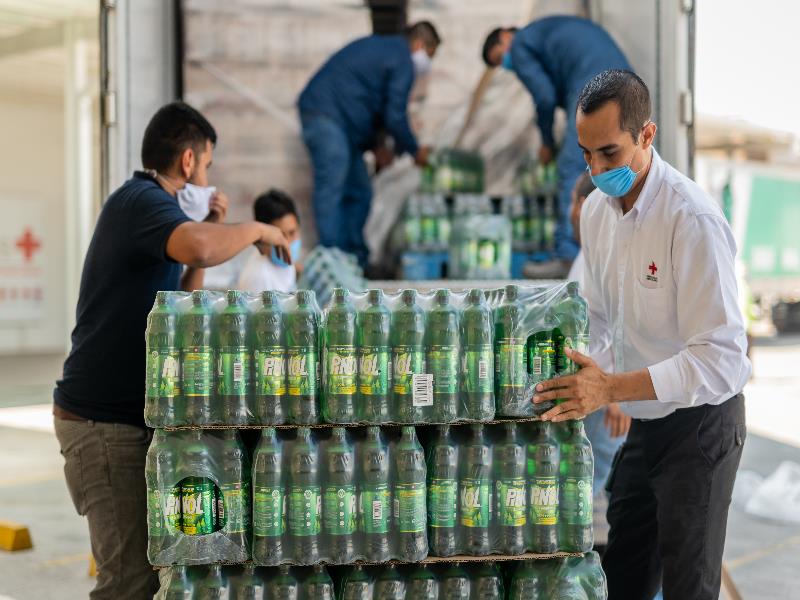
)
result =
(763, 557)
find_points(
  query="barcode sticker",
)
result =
(483, 369)
(238, 371)
(396, 508)
(537, 365)
(377, 510)
(422, 389)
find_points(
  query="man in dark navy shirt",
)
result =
(141, 240)
(362, 87)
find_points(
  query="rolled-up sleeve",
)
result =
(714, 363)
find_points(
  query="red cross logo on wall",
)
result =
(28, 244)
(653, 268)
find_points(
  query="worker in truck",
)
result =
(554, 57)
(141, 240)
(661, 290)
(362, 88)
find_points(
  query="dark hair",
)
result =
(273, 205)
(584, 185)
(425, 31)
(492, 40)
(625, 88)
(174, 128)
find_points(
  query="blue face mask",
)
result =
(615, 182)
(294, 250)
(506, 62)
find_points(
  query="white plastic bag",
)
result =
(779, 496)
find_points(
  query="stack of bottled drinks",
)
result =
(426, 223)
(533, 213)
(450, 170)
(327, 268)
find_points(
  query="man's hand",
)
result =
(585, 392)
(217, 208)
(272, 237)
(421, 159)
(617, 422)
(383, 157)
(545, 154)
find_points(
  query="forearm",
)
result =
(192, 279)
(203, 245)
(631, 386)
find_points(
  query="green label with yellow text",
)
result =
(270, 371)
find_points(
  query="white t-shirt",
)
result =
(260, 273)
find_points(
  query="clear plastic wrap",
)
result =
(235, 359)
(480, 247)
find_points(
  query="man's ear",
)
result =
(187, 163)
(648, 134)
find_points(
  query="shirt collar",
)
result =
(648, 192)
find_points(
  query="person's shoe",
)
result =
(551, 269)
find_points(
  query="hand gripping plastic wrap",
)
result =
(198, 489)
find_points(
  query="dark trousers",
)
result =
(670, 486)
(104, 469)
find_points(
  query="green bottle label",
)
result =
(544, 501)
(305, 505)
(163, 373)
(270, 371)
(233, 371)
(519, 230)
(549, 230)
(155, 515)
(268, 511)
(511, 502)
(408, 361)
(442, 502)
(534, 229)
(487, 254)
(339, 510)
(478, 370)
(340, 369)
(443, 364)
(233, 509)
(374, 509)
(172, 509)
(197, 372)
(199, 507)
(576, 505)
(302, 372)
(474, 502)
(510, 363)
(409, 507)
(374, 371)
(543, 361)
(428, 229)
(443, 230)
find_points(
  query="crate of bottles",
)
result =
(533, 221)
(480, 247)
(235, 359)
(327, 268)
(450, 170)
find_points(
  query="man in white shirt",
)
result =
(271, 272)
(662, 298)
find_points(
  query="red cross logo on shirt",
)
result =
(28, 244)
(653, 268)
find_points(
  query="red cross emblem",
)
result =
(653, 268)
(28, 244)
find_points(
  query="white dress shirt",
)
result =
(260, 273)
(662, 295)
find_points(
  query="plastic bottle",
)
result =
(374, 365)
(249, 585)
(214, 586)
(163, 505)
(197, 374)
(543, 483)
(474, 493)
(269, 500)
(180, 587)
(443, 494)
(577, 468)
(303, 362)
(283, 586)
(233, 360)
(162, 389)
(510, 489)
(572, 331)
(374, 496)
(408, 359)
(422, 584)
(477, 371)
(357, 585)
(593, 578)
(319, 585)
(389, 585)
(455, 583)
(511, 374)
(443, 356)
(233, 509)
(487, 582)
(269, 355)
(409, 497)
(198, 493)
(339, 363)
(305, 499)
(528, 582)
(339, 512)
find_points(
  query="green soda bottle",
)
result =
(197, 361)
(543, 478)
(319, 585)
(442, 493)
(180, 587)
(475, 493)
(233, 360)
(357, 585)
(566, 581)
(284, 586)
(163, 385)
(213, 585)
(163, 505)
(374, 496)
(592, 577)
(455, 583)
(541, 363)
(339, 498)
(529, 581)
(510, 369)
(269, 500)
(577, 469)
(422, 584)
(269, 355)
(572, 331)
(408, 359)
(409, 497)
(374, 367)
(443, 356)
(198, 496)
(487, 582)
(339, 374)
(477, 370)
(249, 585)
(389, 585)
(302, 342)
(510, 485)
(305, 499)
(233, 508)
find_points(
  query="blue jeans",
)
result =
(570, 165)
(603, 446)
(342, 188)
